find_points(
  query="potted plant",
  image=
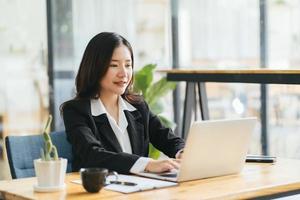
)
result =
(152, 93)
(50, 170)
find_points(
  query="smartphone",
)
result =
(260, 159)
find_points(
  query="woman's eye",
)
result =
(113, 65)
(128, 66)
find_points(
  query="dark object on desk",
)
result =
(169, 174)
(93, 179)
(260, 159)
(123, 183)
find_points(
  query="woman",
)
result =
(106, 124)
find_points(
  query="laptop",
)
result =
(213, 148)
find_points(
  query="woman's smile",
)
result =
(120, 83)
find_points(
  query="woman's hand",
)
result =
(158, 166)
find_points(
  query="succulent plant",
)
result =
(49, 152)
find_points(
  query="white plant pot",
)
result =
(50, 174)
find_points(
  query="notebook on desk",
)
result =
(141, 183)
(213, 148)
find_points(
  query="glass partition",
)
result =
(218, 34)
(284, 100)
(146, 24)
(24, 80)
(23, 63)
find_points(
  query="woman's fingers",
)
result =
(175, 164)
(162, 165)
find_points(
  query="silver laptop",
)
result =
(213, 148)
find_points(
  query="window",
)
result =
(76, 22)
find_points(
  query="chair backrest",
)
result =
(22, 150)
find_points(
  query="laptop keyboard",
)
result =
(169, 174)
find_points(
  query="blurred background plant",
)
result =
(152, 93)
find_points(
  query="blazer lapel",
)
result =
(106, 131)
(135, 131)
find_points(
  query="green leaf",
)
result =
(159, 89)
(153, 152)
(143, 78)
(49, 149)
(42, 154)
(55, 154)
(156, 107)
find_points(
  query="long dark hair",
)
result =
(95, 63)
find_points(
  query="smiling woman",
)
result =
(107, 124)
(117, 78)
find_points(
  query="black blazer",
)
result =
(94, 143)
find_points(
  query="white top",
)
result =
(120, 129)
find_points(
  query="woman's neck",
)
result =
(109, 101)
(111, 104)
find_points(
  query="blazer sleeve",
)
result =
(162, 137)
(88, 150)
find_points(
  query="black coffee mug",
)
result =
(93, 179)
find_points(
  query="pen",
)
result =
(123, 183)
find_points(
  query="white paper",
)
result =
(142, 183)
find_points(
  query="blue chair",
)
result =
(22, 150)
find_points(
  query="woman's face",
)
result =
(119, 72)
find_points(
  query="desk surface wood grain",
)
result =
(255, 180)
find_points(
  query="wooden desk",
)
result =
(256, 180)
(197, 78)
